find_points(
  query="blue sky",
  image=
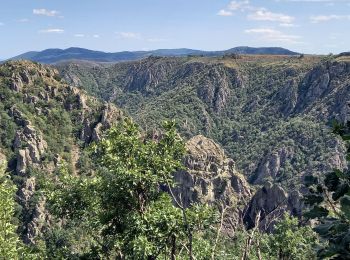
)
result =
(310, 26)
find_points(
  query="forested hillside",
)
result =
(44, 122)
(272, 114)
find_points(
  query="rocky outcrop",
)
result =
(40, 220)
(42, 101)
(2, 159)
(288, 97)
(211, 176)
(269, 168)
(92, 131)
(268, 205)
(148, 74)
(328, 82)
(214, 89)
(31, 146)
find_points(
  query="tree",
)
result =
(9, 242)
(329, 201)
(291, 241)
(125, 206)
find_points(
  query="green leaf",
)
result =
(324, 229)
(345, 206)
(313, 199)
(316, 212)
(341, 191)
(310, 180)
(332, 180)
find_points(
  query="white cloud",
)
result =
(273, 35)
(157, 40)
(79, 35)
(224, 12)
(129, 35)
(265, 15)
(327, 18)
(316, 1)
(256, 13)
(287, 25)
(52, 31)
(45, 12)
(96, 36)
(238, 5)
(234, 6)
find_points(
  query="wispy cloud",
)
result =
(287, 25)
(45, 12)
(327, 18)
(79, 35)
(53, 30)
(157, 40)
(238, 5)
(129, 35)
(96, 36)
(256, 13)
(224, 12)
(316, 1)
(23, 20)
(273, 35)
(265, 15)
(234, 6)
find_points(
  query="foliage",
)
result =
(11, 246)
(291, 241)
(123, 207)
(253, 120)
(9, 241)
(329, 201)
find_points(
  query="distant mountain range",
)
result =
(59, 55)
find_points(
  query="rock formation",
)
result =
(211, 176)
(269, 204)
(40, 97)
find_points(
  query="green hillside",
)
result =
(271, 113)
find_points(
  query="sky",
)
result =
(308, 26)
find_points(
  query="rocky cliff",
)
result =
(271, 114)
(45, 121)
(210, 176)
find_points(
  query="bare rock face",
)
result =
(289, 95)
(92, 131)
(215, 90)
(268, 204)
(148, 74)
(39, 219)
(31, 147)
(2, 159)
(17, 84)
(270, 166)
(211, 176)
(328, 82)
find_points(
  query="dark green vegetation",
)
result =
(122, 208)
(9, 240)
(330, 203)
(120, 212)
(43, 122)
(59, 55)
(270, 113)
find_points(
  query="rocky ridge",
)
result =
(211, 177)
(33, 96)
